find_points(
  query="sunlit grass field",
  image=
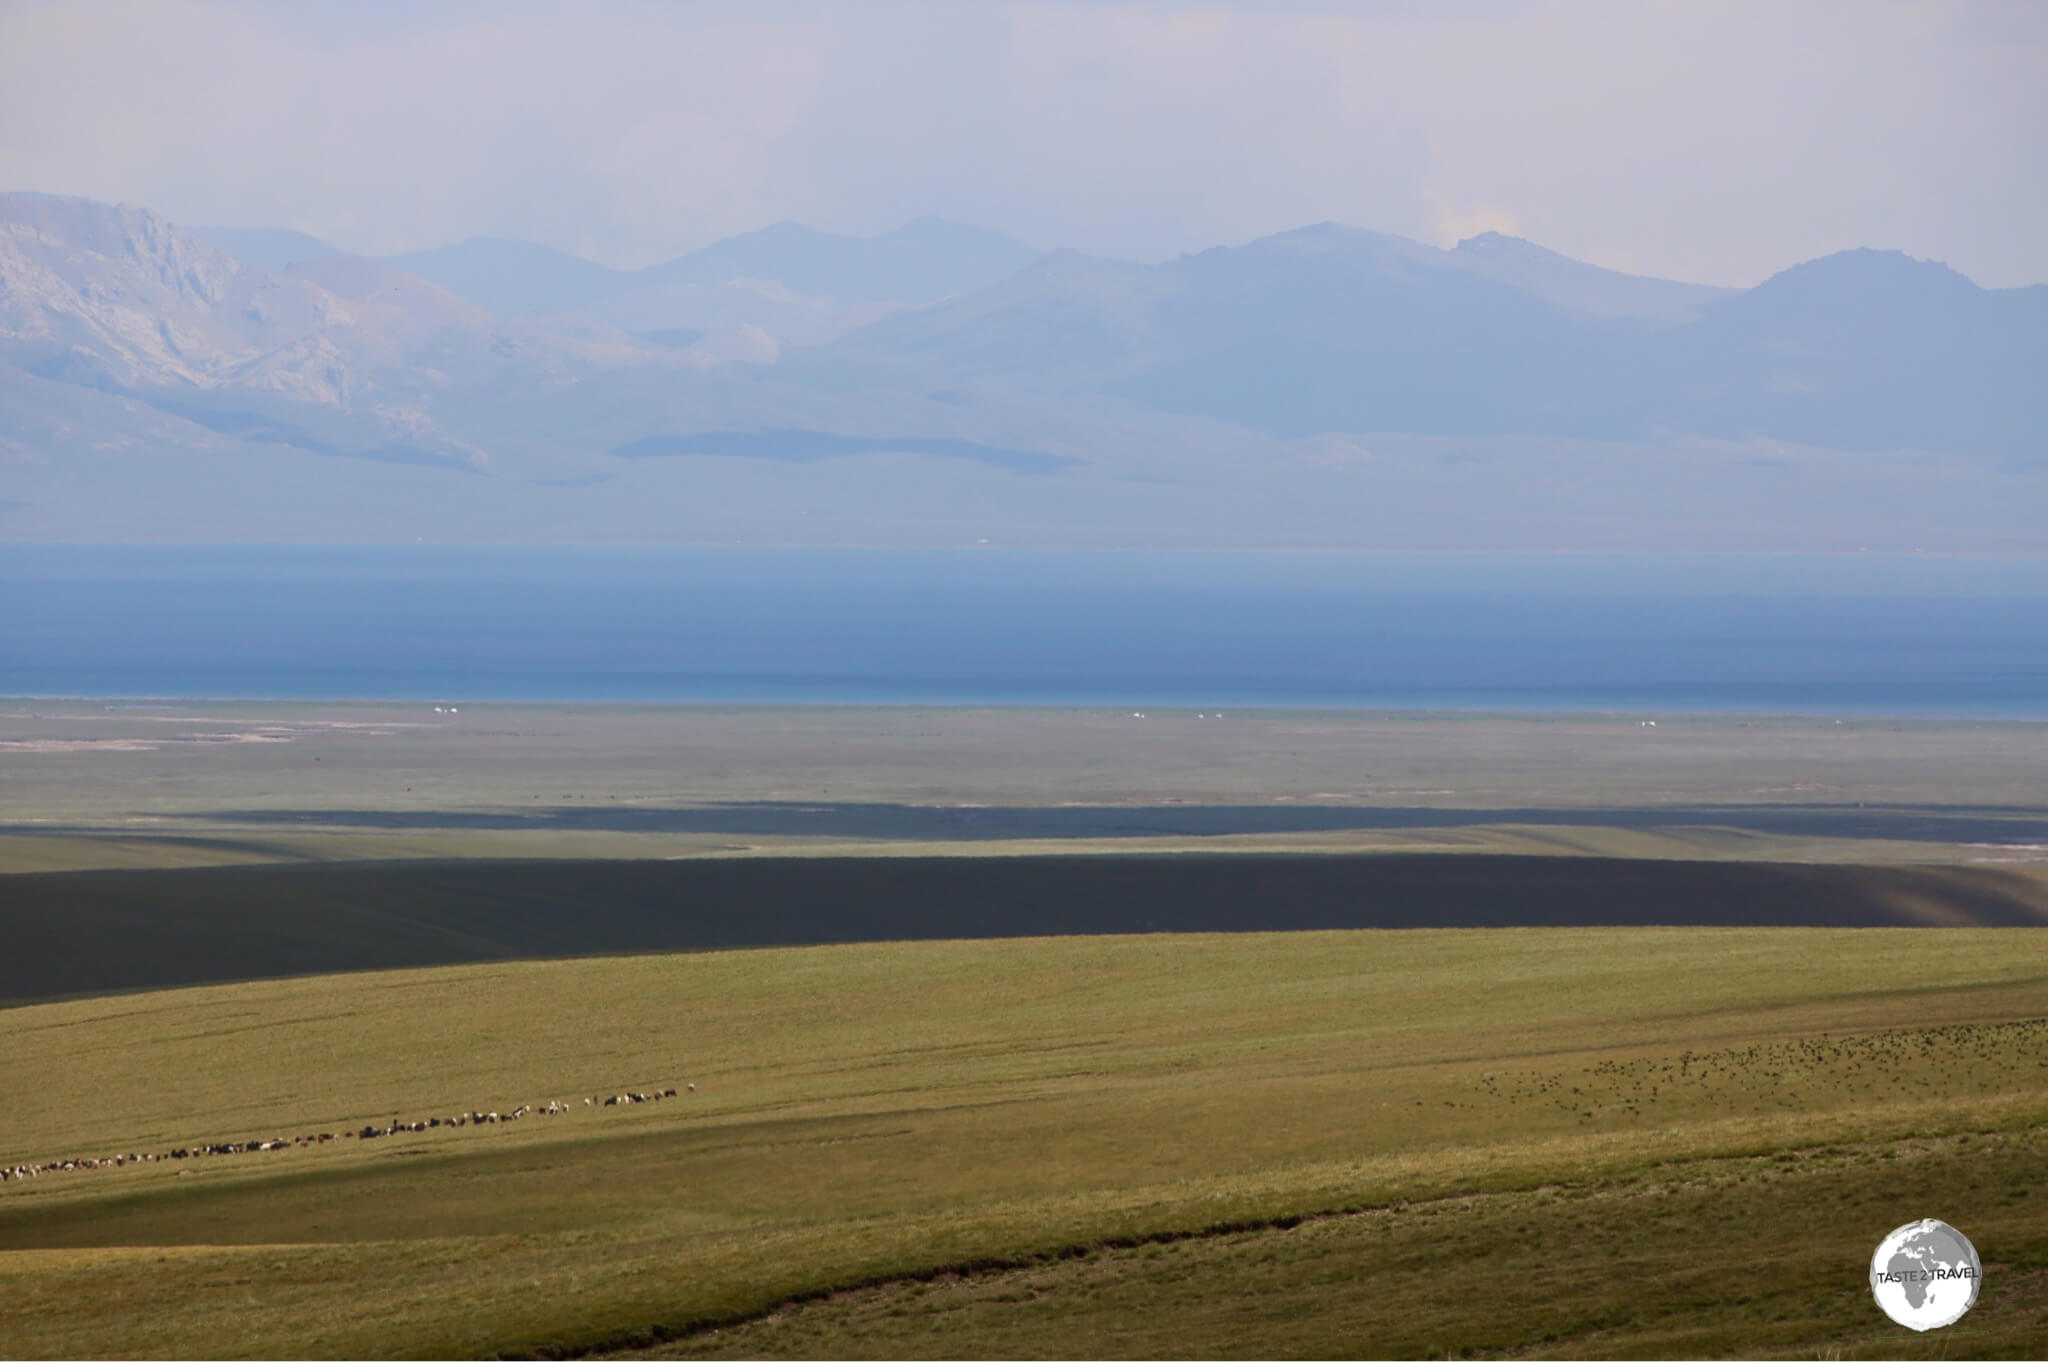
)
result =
(1665, 1262)
(864, 1113)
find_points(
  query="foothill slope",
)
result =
(1463, 1108)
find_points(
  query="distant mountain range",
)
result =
(264, 248)
(788, 279)
(1329, 328)
(939, 378)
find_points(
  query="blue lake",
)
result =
(1911, 635)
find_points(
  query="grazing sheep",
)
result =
(554, 1107)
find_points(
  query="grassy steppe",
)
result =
(1626, 1267)
(1754, 1109)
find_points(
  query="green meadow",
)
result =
(1570, 1141)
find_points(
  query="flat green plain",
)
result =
(94, 785)
(1475, 1105)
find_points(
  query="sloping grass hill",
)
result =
(1621, 1141)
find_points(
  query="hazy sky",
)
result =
(1711, 141)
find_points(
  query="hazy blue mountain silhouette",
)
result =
(512, 277)
(1864, 349)
(1492, 393)
(1334, 329)
(264, 248)
(921, 261)
(1325, 328)
(1578, 285)
(1067, 321)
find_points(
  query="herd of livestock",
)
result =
(16, 1172)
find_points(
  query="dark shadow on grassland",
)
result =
(98, 931)
(956, 823)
